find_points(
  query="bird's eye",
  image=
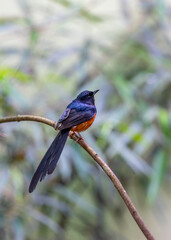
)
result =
(91, 94)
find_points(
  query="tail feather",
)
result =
(50, 159)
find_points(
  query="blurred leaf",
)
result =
(59, 80)
(44, 219)
(4, 177)
(52, 202)
(123, 87)
(82, 166)
(33, 36)
(161, 9)
(18, 229)
(106, 128)
(138, 137)
(75, 198)
(159, 167)
(123, 127)
(131, 59)
(82, 11)
(164, 121)
(65, 3)
(89, 16)
(17, 181)
(8, 72)
(6, 86)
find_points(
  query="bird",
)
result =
(78, 116)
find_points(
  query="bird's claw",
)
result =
(78, 135)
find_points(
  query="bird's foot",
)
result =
(78, 135)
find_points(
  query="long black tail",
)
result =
(50, 159)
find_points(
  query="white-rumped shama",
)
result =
(78, 116)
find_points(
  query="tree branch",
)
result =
(100, 161)
(33, 118)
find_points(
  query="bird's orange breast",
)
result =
(83, 126)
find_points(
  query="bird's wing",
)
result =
(73, 117)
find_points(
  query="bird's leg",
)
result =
(79, 137)
(77, 134)
(73, 133)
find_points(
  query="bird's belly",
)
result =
(83, 126)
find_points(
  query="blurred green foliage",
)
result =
(44, 65)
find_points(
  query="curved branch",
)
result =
(33, 118)
(100, 161)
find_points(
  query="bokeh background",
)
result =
(50, 50)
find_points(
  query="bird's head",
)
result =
(87, 96)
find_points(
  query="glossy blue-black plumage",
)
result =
(78, 111)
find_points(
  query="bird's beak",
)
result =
(95, 92)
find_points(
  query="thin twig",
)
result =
(100, 161)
